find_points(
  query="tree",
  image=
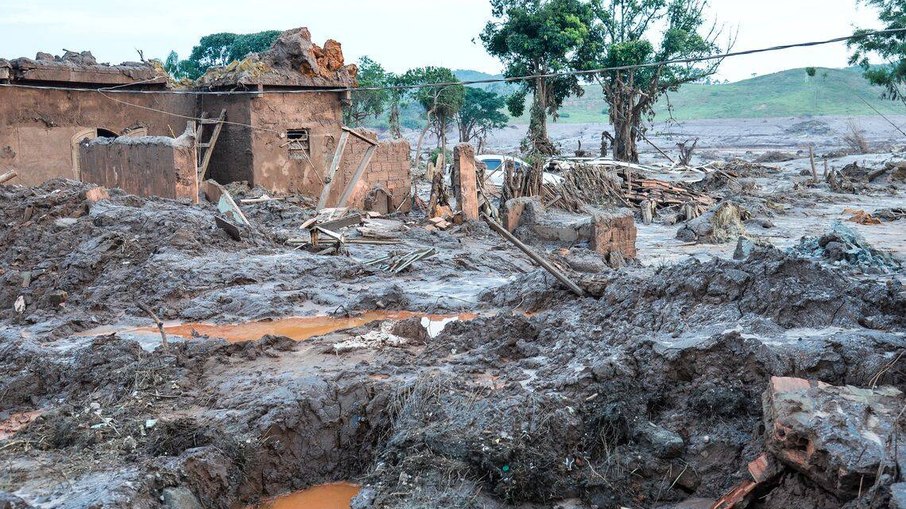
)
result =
(623, 35)
(811, 72)
(890, 47)
(218, 50)
(479, 115)
(441, 103)
(533, 38)
(368, 103)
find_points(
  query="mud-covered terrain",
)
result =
(648, 392)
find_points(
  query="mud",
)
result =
(646, 393)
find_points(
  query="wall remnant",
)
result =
(144, 165)
(466, 188)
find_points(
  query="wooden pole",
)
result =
(811, 158)
(158, 323)
(534, 256)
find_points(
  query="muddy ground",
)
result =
(647, 395)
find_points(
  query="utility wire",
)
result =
(588, 72)
(119, 89)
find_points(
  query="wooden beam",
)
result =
(332, 171)
(203, 171)
(359, 136)
(11, 174)
(534, 256)
(350, 187)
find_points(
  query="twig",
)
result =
(159, 323)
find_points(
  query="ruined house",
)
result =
(282, 128)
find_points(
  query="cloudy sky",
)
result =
(400, 34)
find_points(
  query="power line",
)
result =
(118, 89)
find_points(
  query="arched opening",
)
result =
(79, 137)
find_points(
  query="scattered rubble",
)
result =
(843, 245)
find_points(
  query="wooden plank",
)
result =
(332, 171)
(350, 187)
(8, 176)
(203, 171)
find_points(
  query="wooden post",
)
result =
(534, 256)
(811, 158)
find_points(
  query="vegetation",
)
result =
(217, 50)
(480, 114)
(637, 32)
(441, 104)
(368, 103)
(891, 47)
(535, 38)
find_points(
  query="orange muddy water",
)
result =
(326, 496)
(301, 328)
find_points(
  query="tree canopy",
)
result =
(441, 103)
(890, 47)
(639, 32)
(479, 115)
(217, 50)
(538, 37)
(368, 103)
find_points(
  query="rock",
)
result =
(10, 501)
(898, 496)
(665, 444)
(838, 437)
(180, 498)
(744, 248)
(65, 222)
(716, 226)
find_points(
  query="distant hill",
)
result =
(790, 93)
(784, 94)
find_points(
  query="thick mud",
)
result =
(647, 393)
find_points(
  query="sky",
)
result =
(400, 34)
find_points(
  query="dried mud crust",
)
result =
(647, 396)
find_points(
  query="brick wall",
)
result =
(389, 169)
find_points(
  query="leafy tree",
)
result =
(811, 72)
(181, 69)
(891, 47)
(539, 37)
(441, 103)
(217, 50)
(623, 36)
(479, 115)
(368, 103)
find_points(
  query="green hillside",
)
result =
(784, 94)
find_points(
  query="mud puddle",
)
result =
(302, 328)
(326, 496)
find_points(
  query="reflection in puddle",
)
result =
(326, 496)
(301, 328)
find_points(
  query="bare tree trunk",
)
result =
(394, 121)
(538, 141)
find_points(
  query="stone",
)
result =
(744, 248)
(180, 498)
(838, 437)
(898, 496)
(716, 226)
(665, 444)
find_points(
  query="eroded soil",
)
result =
(646, 395)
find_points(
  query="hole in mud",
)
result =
(302, 328)
(326, 496)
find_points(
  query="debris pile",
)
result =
(843, 245)
(601, 185)
(721, 224)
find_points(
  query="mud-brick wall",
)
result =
(144, 166)
(273, 114)
(389, 170)
(40, 130)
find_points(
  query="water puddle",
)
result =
(326, 496)
(16, 422)
(301, 328)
